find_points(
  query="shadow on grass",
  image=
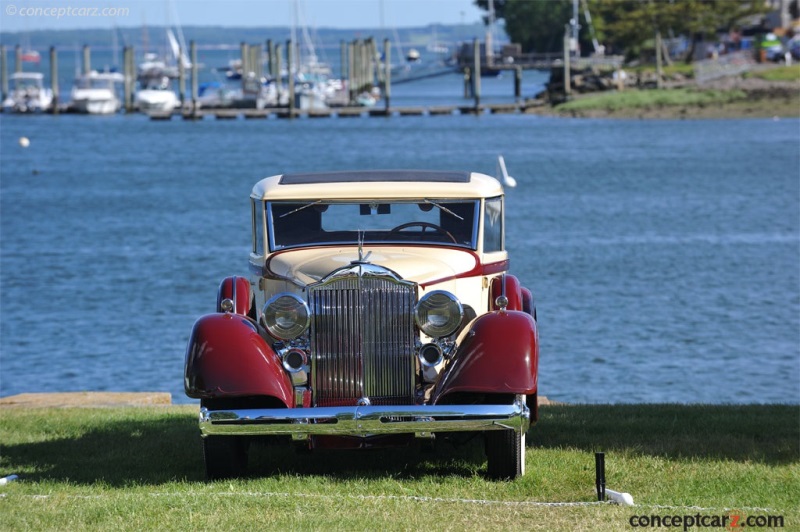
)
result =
(153, 450)
(159, 448)
(747, 433)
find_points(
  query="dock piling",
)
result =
(244, 51)
(54, 78)
(87, 59)
(351, 70)
(17, 59)
(193, 51)
(181, 77)
(659, 68)
(3, 72)
(476, 73)
(343, 60)
(387, 75)
(290, 68)
(271, 59)
(518, 82)
(278, 75)
(567, 68)
(130, 78)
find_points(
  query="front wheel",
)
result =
(225, 456)
(505, 453)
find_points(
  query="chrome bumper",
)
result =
(421, 420)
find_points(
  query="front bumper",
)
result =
(421, 420)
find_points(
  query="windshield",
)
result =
(428, 221)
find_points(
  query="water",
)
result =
(664, 255)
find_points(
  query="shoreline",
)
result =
(762, 99)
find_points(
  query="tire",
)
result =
(505, 454)
(225, 456)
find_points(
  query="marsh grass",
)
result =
(778, 73)
(141, 468)
(638, 99)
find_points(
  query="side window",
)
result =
(493, 224)
(258, 226)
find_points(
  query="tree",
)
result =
(538, 25)
(630, 23)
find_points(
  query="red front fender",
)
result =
(498, 355)
(226, 357)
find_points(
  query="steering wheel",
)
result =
(425, 225)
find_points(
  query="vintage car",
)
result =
(378, 310)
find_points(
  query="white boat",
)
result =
(96, 93)
(156, 95)
(28, 94)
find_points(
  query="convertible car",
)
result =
(378, 310)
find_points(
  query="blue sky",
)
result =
(22, 15)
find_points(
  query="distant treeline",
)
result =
(232, 36)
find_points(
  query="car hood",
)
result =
(425, 266)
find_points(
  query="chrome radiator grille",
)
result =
(362, 340)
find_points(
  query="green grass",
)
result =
(682, 68)
(779, 73)
(638, 99)
(141, 468)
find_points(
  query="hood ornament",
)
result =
(361, 258)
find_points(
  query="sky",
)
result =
(26, 15)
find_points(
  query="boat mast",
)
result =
(293, 67)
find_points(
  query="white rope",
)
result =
(417, 498)
(707, 509)
(409, 498)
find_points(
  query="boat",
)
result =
(156, 94)
(214, 95)
(29, 94)
(31, 56)
(96, 93)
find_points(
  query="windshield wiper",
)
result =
(445, 209)
(307, 205)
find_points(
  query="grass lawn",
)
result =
(141, 468)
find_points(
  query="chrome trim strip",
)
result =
(234, 282)
(364, 420)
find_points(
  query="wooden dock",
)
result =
(345, 112)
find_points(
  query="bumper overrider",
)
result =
(421, 420)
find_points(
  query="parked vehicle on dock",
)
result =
(379, 310)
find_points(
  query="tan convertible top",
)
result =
(384, 184)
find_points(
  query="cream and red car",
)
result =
(378, 310)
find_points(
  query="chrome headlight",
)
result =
(286, 316)
(438, 313)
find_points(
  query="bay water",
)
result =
(664, 255)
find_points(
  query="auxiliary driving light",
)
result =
(430, 355)
(438, 313)
(286, 316)
(294, 360)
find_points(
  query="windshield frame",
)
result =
(438, 204)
